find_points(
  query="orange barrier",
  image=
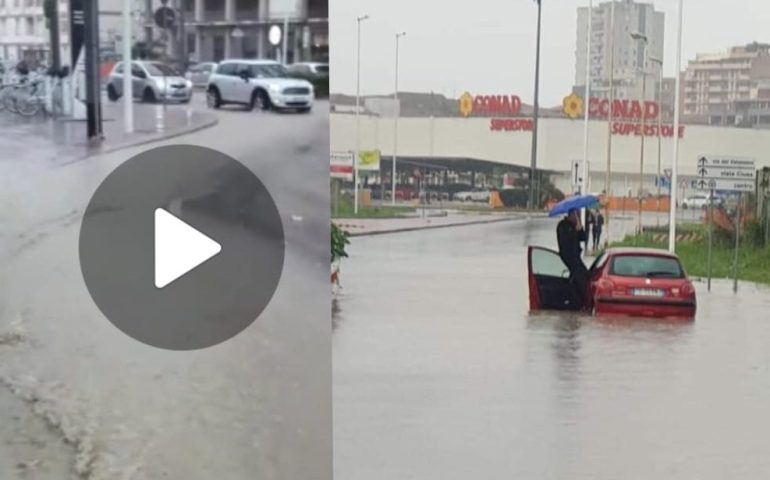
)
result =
(632, 204)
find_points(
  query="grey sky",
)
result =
(487, 46)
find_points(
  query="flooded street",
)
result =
(80, 399)
(441, 373)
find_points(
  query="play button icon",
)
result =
(181, 247)
(178, 248)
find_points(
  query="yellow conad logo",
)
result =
(466, 104)
(572, 106)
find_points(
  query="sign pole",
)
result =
(608, 173)
(584, 171)
(737, 241)
(711, 237)
(675, 154)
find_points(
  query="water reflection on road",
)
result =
(440, 372)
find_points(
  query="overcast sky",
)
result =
(487, 46)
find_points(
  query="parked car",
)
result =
(476, 195)
(627, 281)
(309, 69)
(701, 201)
(262, 84)
(199, 73)
(152, 81)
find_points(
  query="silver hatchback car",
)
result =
(152, 81)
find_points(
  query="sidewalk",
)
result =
(376, 226)
(61, 141)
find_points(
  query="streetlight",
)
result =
(675, 157)
(128, 86)
(640, 36)
(584, 174)
(358, 116)
(608, 173)
(535, 113)
(396, 113)
(660, 126)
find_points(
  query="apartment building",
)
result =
(633, 57)
(729, 88)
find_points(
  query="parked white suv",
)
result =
(263, 84)
(477, 195)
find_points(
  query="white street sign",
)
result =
(577, 166)
(726, 162)
(724, 185)
(726, 173)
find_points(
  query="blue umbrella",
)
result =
(576, 202)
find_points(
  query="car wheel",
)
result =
(112, 94)
(213, 98)
(148, 95)
(261, 100)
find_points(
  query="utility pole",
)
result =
(396, 113)
(535, 113)
(675, 156)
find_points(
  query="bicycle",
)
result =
(27, 98)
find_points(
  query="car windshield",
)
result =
(268, 71)
(160, 69)
(646, 266)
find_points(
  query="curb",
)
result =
(431, 227)
(156, 137)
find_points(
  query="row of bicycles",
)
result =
(27, 94)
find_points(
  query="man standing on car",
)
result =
(570, 234)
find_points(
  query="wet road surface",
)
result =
(441, 373)
(256, 406)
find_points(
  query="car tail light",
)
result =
(688, 290)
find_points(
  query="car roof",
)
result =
(250, 61)
(657, 252)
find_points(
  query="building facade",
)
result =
(23, 30)
(218, 29)
(725, 88)
(632, 56)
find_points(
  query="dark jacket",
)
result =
(569, 241)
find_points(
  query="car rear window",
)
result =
(646, 266)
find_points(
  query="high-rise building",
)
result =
(726, 87)
(637, 38)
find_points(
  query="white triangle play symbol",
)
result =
(179, 248)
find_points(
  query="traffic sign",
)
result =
(342, 165)
(726, 173)
(724, 185)
(577, 166)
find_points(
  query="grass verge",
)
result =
(753, 262)
(345, 210)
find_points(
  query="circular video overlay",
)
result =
(181, 247)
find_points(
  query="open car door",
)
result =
(550, 287)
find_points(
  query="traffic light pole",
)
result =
(93, 88)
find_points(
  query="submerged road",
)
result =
(441, 373)
(256, 406)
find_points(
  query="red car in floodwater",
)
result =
(626, 281)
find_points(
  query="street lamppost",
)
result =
(642, 37)
(535, 113)
(608, 173)
(396, 113)
(659, 62)
(585, 172)
(358, 115)
(675, 157)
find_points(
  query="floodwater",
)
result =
(441, 373)
(80, 399)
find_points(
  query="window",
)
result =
(30, 26)
(227, 69)
(160, 69)
(599, 262)
(548, 264)
(646, 266)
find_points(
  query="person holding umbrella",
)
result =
(570, 234)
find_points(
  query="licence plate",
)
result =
(647, 292)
